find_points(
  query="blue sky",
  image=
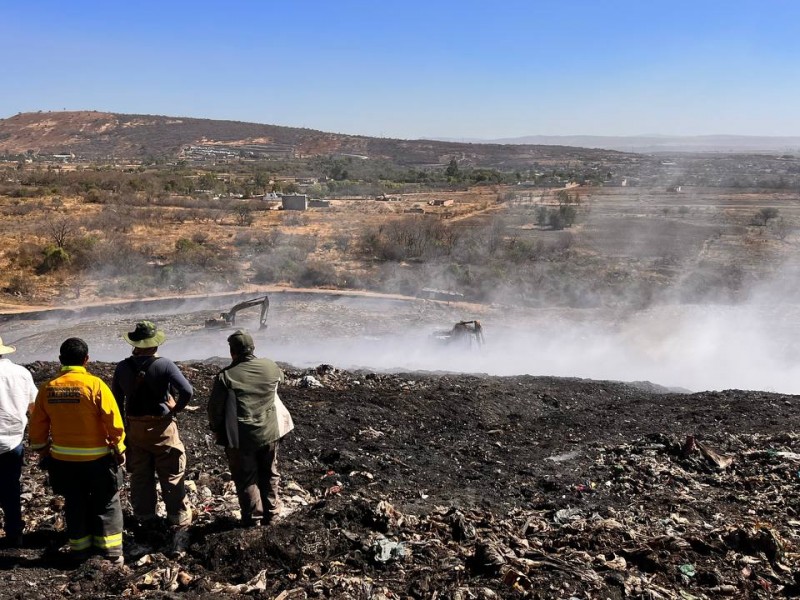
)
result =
(466, 69)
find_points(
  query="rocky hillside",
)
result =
(100, 136)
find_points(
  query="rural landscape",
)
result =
(626, 429)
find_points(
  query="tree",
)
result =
(261, 180)
(244, 215)
(60, 229)
(556, 220)
(765, 215)
(452, 171)
(568, 214)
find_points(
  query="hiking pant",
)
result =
(255, 473)
(92, 507)
(10, 490)
(155, 449)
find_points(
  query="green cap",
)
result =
(241, 342)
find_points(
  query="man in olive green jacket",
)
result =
(242, 414)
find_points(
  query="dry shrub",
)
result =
(409, 238)
(20, 285)
(284, 264)
(317, 273)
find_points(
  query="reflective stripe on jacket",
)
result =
(76, 414)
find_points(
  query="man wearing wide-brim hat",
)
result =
(17, 394)
(152, 391)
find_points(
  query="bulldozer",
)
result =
(228, 319)
(463, 334)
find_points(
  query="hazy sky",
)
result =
(410, 69)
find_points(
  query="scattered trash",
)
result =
(309, 381)
(388, 496)
(384, 550)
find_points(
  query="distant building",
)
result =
(294, 202)
(319, 204)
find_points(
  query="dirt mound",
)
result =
(426, 485)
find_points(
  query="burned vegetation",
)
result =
(456, 486)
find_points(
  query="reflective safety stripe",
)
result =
(108, 541)
(70, 451)
(38, 446)
(80, 544)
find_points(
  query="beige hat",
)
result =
(6, 349)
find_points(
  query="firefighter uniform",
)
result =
(77, 418)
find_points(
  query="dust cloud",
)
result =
(686, 347)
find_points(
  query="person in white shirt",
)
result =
(17, 394)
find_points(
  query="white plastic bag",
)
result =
(285, 423)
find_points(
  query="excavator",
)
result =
(463, 333)
(228, 319)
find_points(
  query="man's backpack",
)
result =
(141, 400)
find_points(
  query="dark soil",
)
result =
(455, 486)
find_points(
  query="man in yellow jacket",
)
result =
(77, 428)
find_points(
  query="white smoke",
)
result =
(709, 347)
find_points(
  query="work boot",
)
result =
(180, 540)
(116, 561)
(251, 523)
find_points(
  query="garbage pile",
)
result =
(468, 487)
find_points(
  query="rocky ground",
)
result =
(454, 486)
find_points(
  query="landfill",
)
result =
(464, 487)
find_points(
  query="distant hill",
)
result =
(662, 143)
(101, 136)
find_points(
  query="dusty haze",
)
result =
(693, 347)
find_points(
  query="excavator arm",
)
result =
(228, 319)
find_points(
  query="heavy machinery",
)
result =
(228, 319)
(463, 334)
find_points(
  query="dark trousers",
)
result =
(92, 507)
(10, 490)
(255, 473)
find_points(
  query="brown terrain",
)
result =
(103, 136)
(419, 469)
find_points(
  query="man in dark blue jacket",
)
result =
(151, 390)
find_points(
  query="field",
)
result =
(422, 470)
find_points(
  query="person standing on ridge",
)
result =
(76, 427)
(248, 418)
(17, 394)
(152, 390)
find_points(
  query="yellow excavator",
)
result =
(228, 319)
